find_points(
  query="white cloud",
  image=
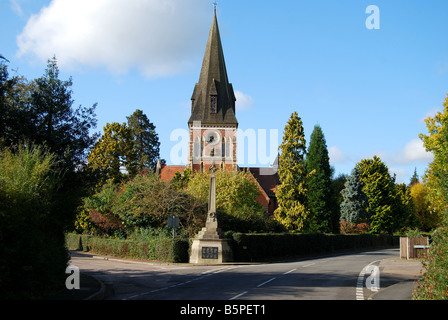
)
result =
(158, 37)
(402, 175)
(243, 101)
(336, 156)
(415, 151)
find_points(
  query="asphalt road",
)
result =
(337, 277)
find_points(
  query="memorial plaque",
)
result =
(209, 252)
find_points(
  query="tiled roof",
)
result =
(167, 172)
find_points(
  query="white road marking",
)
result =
(360, 282)
(262, 284)
(237, 296)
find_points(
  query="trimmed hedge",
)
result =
(263, 247)
(245, 247)
(159, 249)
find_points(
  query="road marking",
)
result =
(360, 282)
(199, 277)
(262, 284)
(237, 296)
(308, 265)
(289, 272)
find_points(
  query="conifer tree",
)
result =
(414, 179)
(291, 193)
(319, 196)
(354, 206)
(146, 140)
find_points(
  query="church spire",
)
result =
(213, 100)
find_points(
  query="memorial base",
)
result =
(210, 251)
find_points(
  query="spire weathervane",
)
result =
(215, 4)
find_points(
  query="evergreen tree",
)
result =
(414, 178)
(354, 205)
(55, 123)
(146, 141)
(291, 193)
(385, 209)
(319, 197)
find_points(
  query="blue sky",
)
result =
(369, 90)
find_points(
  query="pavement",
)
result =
(398, 279)
(397, 282)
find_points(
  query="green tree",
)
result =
(354, 205)
(323, 216)
(15, 115)
(146, 141)
(404, 211)
(292, 192)
(236, 199)
(414, 179)
(379, 187)
(54, 121)
(114, 153)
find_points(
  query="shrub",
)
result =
(33, 254)
(433, 285)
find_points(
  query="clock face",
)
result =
(212, 137)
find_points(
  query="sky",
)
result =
(368, 77)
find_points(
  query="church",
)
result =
(213, 125)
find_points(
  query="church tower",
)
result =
(213, 124)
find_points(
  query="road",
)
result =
(337, 277)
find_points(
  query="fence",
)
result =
(413, 247)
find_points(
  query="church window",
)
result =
(213, 104)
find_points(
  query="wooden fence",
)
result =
(413, 248)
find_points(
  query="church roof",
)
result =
(213, 81)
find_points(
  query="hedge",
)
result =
(245, 247)
(158, 249)
(263, 247)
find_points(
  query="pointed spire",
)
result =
(213, 82)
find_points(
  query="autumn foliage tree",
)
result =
(113, 153)
(434, 283)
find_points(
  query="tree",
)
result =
(292, 192)
(55, 123)
(428, 219)
(236, 199)
(32, 229)
(15, 119)
(146, 141)
(434, 282)
(414, 178)
(113, 153)
(354, 205)
(404, 211)
(379, 187)
(319, 197)
(436, 176)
